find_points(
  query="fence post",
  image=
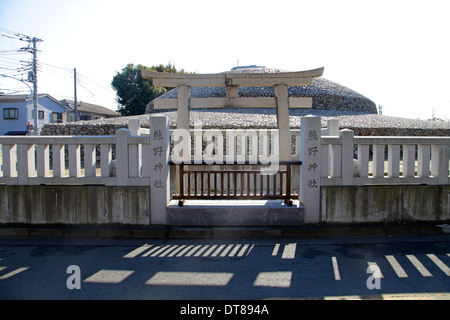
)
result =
(159, 169)
(122, 156)
(347, 157)
(439, 163)
(310, 169)
(25, 163)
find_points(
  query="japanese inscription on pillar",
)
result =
(310, 169)
(159, 168)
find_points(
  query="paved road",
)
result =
(322, 268)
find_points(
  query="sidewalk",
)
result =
(168, 232)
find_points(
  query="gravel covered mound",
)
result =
(327, 95)
(362, 124)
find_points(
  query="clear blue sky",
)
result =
(394, 52)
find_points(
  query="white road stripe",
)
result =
(207, 253)
(177, 250)
(199, 252)
(337, 275)
(275, 250)
(241, 253)
(439, 263)
(396, 266)
(224, 252)
(165, 253)
(151, 251)
(12, 273)
(215, 253)
(235, 249)
(289, 251)
(185, 250)
(419, 266)
(137, 251)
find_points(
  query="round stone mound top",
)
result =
(326, 94)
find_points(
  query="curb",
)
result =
(172, 232)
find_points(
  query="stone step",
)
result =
(235, 213)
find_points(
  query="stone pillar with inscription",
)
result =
(159, 169)
(310, 136)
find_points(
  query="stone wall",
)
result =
(385, 204)
(96, 205)
(76, 129)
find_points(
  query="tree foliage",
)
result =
(133, 91)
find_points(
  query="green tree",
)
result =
(134, 92)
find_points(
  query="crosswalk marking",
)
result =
(396, 266)
(337, 275)
(169, 249)
(419, 266)
(244, 248)
(137, 251)
(235, 249)
(199, 252)
(191, 250)
(177, 250)
(224, 252)
(207, 253)
(151, 251)
(12, 273)
(439, 263)
(215, 253)
(275, 250)
(289, 251)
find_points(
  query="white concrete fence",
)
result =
(329, 158)
(349, 160)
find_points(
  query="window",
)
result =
(10, 113)
(57, 117)
(40, 114)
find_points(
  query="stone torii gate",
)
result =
(280, 81)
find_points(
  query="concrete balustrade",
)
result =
(330, 159)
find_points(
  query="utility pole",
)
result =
(34, 78)
(75, 93)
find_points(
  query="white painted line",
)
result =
(151, 251)
(235, 249)
(199, 252)
(160, 250)
(337, 275)
(275, 250)
(170, 249)
(185, 250)
(12, 273)
(224, 252)
(279, 279)
(439, 263)
(178, 249)
(419, 266)
(137, 251)
(207, 253)
(375, 275)
(396, 266)
(215, 253)
(3, 268)
(109, 276)
(241, 253)
(289, 251)
(190, 278)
